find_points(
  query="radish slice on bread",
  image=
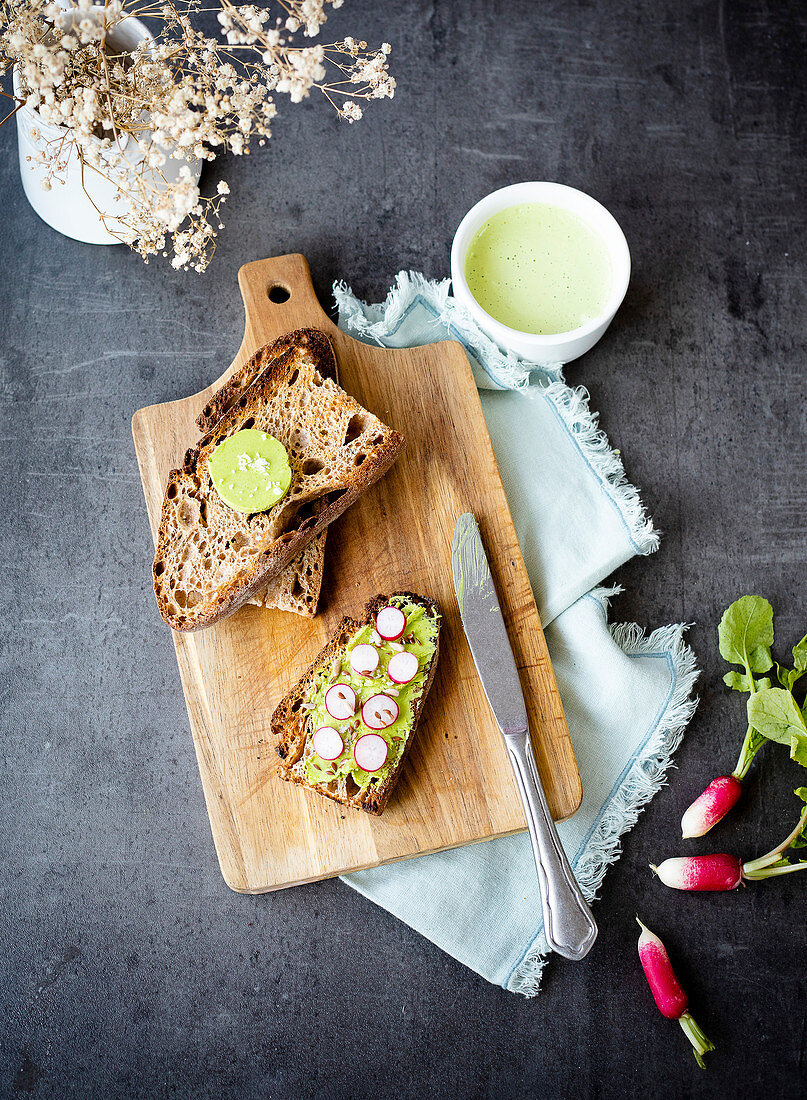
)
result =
(327, 743)
(390, 622)
(340, 702)
(364, 659)
(370, 752)
(379, 712)
(403, 667)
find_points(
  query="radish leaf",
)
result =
(775, 714)
(789, 677)
(801, 839)
(745, 633)
(738, 681)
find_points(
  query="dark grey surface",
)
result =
(128, 967)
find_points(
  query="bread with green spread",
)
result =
(211, 558)
(303, 714)
(297, 587)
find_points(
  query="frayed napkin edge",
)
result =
(493, 368)
(572, 406)
(647, 776)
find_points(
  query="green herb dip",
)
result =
(539, 268)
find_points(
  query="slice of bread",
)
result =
(298, 587)
(305, 339)
(291, 724)
(211, 559)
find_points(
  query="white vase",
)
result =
(73, 206)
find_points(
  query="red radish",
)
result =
(379, 712)
(328, 743)
(716, 872)
(340, 702)
(403, 667)
(725, 872)
(364, 659)
(710, 807)
(390, 622)
(671, 999)
(370, 752)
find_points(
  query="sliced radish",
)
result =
(390, 622)
(327, 743)
(403, 667)
(340, 702)
(364, 659)
(370, 752)
(379, 712)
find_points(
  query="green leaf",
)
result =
(801, 839)
(773, 713)
(738, 681)
(800, 654)
(789, 677)
(745, 633)
(759, 659)
(783, 675)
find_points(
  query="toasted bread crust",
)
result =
(196, 586)
(289, 720)
(229, 392)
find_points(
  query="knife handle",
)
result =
(568, 924)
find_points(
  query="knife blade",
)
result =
(568, 924)
(484, 627)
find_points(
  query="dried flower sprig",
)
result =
(178, 96)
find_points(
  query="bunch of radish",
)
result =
(745, 637)
(722, 871)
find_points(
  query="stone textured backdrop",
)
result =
(128, 968)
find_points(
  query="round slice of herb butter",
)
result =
(250, 470)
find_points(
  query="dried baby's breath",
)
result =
(183, 96)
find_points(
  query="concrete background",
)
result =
(128, 968)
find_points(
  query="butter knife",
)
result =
(568, 924)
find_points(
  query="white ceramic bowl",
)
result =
(560, 347)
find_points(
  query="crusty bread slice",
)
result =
(298, 587)
(307, 339)
(290, 722)
(211, 559)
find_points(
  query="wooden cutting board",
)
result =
(457, 785)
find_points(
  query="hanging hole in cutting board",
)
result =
(278, 294)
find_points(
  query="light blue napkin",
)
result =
(627, 695)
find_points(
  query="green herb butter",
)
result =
(250, 470)
(420, 638)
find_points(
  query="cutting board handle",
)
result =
(274, 292)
